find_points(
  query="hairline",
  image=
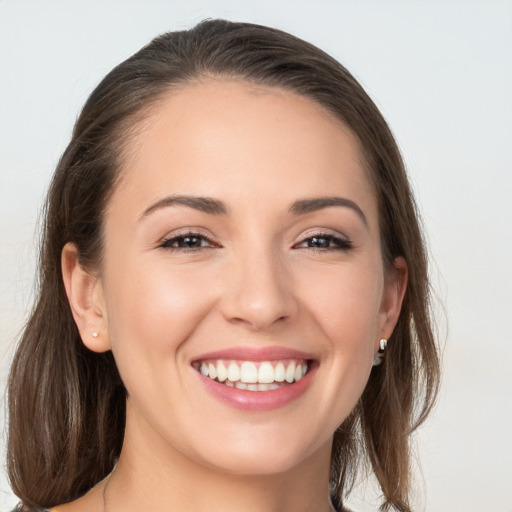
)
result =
(133, 126)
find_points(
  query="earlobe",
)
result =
(85, 296)
(395, 287)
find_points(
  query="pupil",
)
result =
(190, 241)
(319, 242)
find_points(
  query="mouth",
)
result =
(256, 379)
(254, 376)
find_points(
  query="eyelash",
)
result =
(340, 244)
(166, 244)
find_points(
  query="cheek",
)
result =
(347, 305)
(153, 311)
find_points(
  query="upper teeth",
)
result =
(250, 372)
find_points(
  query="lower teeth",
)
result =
(252, 387)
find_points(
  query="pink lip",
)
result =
(258, 400)
(255, 354)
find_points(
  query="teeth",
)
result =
(253, 376)
(212, 371)
(290, 372)
(248, 372)
(222, 373)
(279, 373)
(233, 372)
(266, 373)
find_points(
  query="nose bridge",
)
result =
(258, 292)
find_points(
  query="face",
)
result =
(243, 292)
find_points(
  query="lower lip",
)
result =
(258, 400)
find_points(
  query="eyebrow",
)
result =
(203, 204)
(304, 206)
(217, 207)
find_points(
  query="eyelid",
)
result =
(343, 242)
(184, 233)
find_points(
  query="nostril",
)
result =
(258, 322)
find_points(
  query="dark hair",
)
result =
(67, 404)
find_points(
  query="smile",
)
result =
(252, 375)
(256, 379)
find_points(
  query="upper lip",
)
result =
(272, 353)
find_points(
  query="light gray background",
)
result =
(441, 72)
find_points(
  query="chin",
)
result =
(261, 464)
(263, 455)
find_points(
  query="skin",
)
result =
(255, 281)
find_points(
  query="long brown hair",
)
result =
(67, 404)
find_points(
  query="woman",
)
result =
(231, 250)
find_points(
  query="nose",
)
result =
(258, 291)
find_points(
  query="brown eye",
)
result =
(187, 241)
(319, 241)
(326, 242)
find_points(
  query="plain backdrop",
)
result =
(441, 72)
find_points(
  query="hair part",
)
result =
(67, 404)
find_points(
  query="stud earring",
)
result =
(377, 358)
(94, 334)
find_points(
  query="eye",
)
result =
(325, 241)
(189, 242)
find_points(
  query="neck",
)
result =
(151, 475)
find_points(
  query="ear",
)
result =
(394, 291)
(85, 296)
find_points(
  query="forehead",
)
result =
(235, 139)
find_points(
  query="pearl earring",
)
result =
(377, 358)
(94, 334)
